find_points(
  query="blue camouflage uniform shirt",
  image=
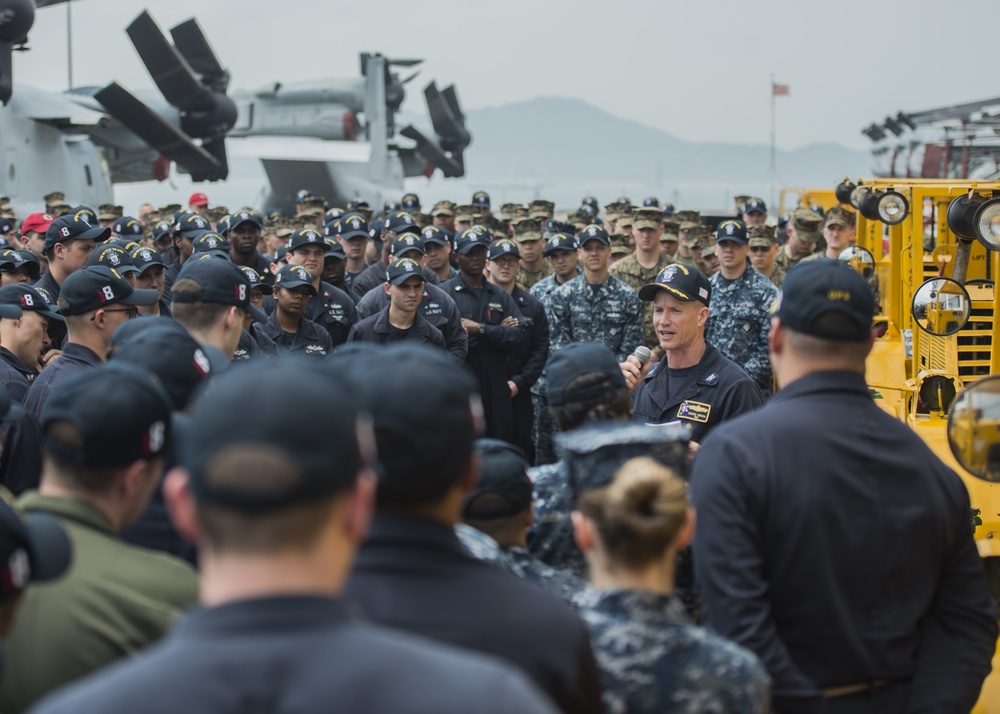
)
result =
(529, 568)
(610, 314)
(550, 538)
(652, 659)
(739, 321)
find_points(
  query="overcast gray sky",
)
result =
(697, 70)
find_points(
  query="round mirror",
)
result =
(860, 259)
(974, 429)
(941, 306)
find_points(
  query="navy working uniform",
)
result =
(15, 375)
(378, 329)
(699, 397)
(739, 322)
(609, 313)
(303, 654)
(333, 310)
(311, 340)
(654, 660)
(439, 309)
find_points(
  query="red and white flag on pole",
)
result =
(779, 90)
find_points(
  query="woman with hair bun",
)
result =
(652, 658)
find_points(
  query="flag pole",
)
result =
(774, 166)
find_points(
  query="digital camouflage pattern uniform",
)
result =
(739, 321)
(652, 659)
(560, 583)
(630, 272)
(550, 538)
(610, 315)
(480, 546)
(525, 230)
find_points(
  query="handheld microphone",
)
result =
(643, 354)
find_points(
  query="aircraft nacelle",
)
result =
(319, 118)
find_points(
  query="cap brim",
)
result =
(648, 292)
(141, 297)
(256, 313)
(51, 314)
(354, 234)
(400, 279)
(98, 235)
(52, 548)
(10, 312)
(436, 240)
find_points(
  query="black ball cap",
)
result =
(232, 421)
(25, 298)
(177, 361)
(34, 548)
(98, 286)
(121, 411)
(504, 473)
(219, 282)
(74, 227)
(575, 360)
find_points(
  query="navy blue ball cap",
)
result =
(113, 256)
(401, 270)
(219, 281)
(253, 277)
(652, 201)
(26, 298)
(437, 235)
(127, 226)
(294, 276)
(575, 360)
(399, 222)
(334, 249)
(245, 215)
(121, 411)
(353, 225)
(470, 238)
(95, 287)
(305, 236)
(177, 360)
(232, 424)
(503, 474)
(593, 232)
(191, 224)
(818, 287)
(502, 247)
(34, 548)
(684, 282)
(71, 227)
(410, 202)
(595, 452)
(211, 242)
(11, 260)
(735, 231)
(560, 241)
(755, 205)
(481, 199)
(406, 242)
(143, 258)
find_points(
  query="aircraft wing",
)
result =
(57, 109)
(283, 148)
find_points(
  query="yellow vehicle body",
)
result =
(792, 198)
(912, 373)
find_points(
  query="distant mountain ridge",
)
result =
(557, 139)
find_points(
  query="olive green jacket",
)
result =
(114, 600)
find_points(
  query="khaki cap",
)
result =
(541, 209)
(806, 224)
(527, 229)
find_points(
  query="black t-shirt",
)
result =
(679, 379)
(396, 333)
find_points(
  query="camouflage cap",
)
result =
(647, 217)
(741, 201)
(688, 217)
(541, 209)
(109, 212)
(619, 245)
(55, 198)
(839, 216)
(579, 219)
(509, 210)
(806, 224)
(217, 213)
(623, 221)
(443, 208)
(521, 212)
(169, 210)
(594, 453)
(466, 213)
(527, 229)
(761, 236)
(707, 251)
(671, 231)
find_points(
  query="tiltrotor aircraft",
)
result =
(336, 137)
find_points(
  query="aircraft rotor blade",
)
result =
(169, 70)
(193, 45)
(434, 154)
(160, 134)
